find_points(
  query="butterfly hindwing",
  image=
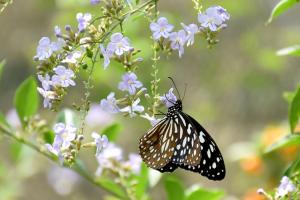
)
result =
(212, 164)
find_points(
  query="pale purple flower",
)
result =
(211, 19)
(191, 30)
(98, 117)
(44, 49)
(169, 99)
(83, 20)
(48, 97)
(223, 13)
(57, 31)
(45, 81)
(119, 44)
(108, 157)
(63, 77)
(58, 45)
(110, 104)
(178, 40)
(64, 134)
(72, 57)
(13, 119)
(129, 83)
(134, 163)
(95, 2)
(151, 119)
(101, 142)
(286, 186)
(134, 108)
(107, 54)
(161, 28)
(62, 180)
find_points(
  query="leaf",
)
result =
(289, 96)
(174, 189)
(202, 194)
(16, 150)
(292, 51)
(111, 186)
(294, 167)
(112, 132)
(142, 182)
(48, 136)
(26, 99)
(2, 63)
(294, 111)
(67, 116)
(282, 6)
(154, 176)
(288, 140)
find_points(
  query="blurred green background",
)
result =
(234, 89)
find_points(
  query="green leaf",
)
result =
(202, 194)
(174, 189)
(26, 99)
(112, 132)
(15, 150)
(289, 96)
(2, 63)
(48, 136)
(288, 140)
(292, 51)
(294, 111)
(142, 182)
(282, 6)
(111, 186)
(67, 116)
(293, 168)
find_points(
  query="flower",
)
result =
(108, 157)
(64, 134)
(191, 30)
(63, 77)
(107, 54)
(119, 44)
(212, 18)
(133, 108)
(62, 180)
(152, 119)
(58, 45)
(129, 83)
(134, 163)
(12, 118)
(97, 116)
(57, 31)
(169, 99)
(95, 2)
(110, 104)
(44, 49)
(178, 40)
(161, 29)
(83, 20)
(46, 82)
(48, 97)
(72, 57)
(286, 186)
(101, 142)
(223, 13)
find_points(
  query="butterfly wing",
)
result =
(187, 150)
(157, 146)
(212, 164)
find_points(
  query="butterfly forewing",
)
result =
(212, 164)
(157, 146)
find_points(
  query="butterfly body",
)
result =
(179, 141)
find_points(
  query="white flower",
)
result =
(72, 57)
(286, 186)
(152, 119)
(134, 108)
(100, 141)
(48, 96)
(191, 30)
(110, 104)
(178, 40)
(134, 163)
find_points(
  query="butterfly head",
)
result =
(177, 106)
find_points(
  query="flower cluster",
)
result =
(111, 158)
(130, 84)
(212, 20)
(59, 60)
(67, 142)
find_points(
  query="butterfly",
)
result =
(179, 141)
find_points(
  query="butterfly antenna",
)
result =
(185, 86)
(175, 86)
